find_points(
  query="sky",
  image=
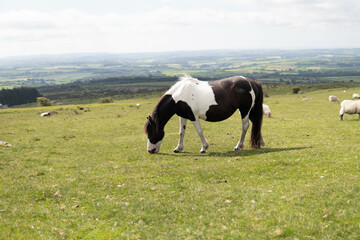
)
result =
(40, 27)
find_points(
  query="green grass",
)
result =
(87, 175)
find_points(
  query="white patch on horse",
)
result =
(252, 93)
(153, 148)
(199, 95)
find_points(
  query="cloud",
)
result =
(304, 13)
(250, 23)
(272, 14)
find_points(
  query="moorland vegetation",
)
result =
(85, 173)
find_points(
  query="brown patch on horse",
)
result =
(229, 94)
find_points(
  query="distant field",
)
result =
(346, 79)
(87, 175)
(312, 65)
(92, 91)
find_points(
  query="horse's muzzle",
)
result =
(152, 150)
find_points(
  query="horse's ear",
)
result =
(150, 119)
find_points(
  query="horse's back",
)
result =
(198, 95)
(216, 100)
(231, 94)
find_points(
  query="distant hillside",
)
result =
(289, 65)
(96, 75)
(122, 87)
(140, 86)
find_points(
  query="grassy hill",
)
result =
(87, 175)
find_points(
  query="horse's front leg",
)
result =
(205, 144)
(245, 127)
(180, 146)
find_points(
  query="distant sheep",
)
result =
(333, 98)
(138, 105)
(45, 114)
(5, 144)
(349, 107)
(356, 95)
(266, 110)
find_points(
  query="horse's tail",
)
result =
(256, 116)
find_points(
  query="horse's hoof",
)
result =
(238, 148)
(203, 151)
(176, 150)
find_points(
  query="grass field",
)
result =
(87, 175)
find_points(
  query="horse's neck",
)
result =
(164, 110)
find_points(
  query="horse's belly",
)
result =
(216, 113)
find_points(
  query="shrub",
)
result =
(296, 90)
(17, 96)
(43, 101)
(106, 100)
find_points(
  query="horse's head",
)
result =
(155, 135)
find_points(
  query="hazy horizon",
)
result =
(37, 27)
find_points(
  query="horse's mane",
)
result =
(182, 79)
(154, 118)
(187, 77)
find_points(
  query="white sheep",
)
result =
(44, 114)
(356, 95)
(333, 98)
(349, 107)
(266, 110)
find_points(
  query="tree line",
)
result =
(18, 96)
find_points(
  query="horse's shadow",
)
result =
(240, 153)
(251, 152)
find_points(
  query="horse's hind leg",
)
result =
(205, 144)
(245, 127)
(262, 141)
(180, 146)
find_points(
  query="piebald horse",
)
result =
(192, 99)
